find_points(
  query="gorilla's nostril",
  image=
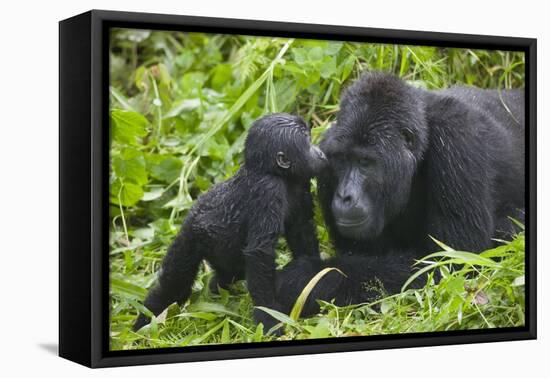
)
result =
(345, 200)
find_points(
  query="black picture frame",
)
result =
(83, 204)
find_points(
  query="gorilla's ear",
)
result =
(282, 161)
(408, 137)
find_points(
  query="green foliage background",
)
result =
(180, 106)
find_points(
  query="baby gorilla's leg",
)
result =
(223, 280)
(228, 268)
(179, 269)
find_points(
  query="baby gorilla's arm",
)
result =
(260, 273)
(300, 233)
(265, 227)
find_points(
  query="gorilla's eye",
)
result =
(282, 160)
(408, 136)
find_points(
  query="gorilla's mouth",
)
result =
(352, 223)
(357, 228)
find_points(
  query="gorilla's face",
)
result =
(373, 152)
(372, 179)
(356, 205)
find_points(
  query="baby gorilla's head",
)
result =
(280, 144)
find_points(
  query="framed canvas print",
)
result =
(234, 188)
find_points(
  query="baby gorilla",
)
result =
(235, 226)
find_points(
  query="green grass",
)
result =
(486, 292)
(180, 107)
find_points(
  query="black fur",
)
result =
(235, 226)
(406, 163)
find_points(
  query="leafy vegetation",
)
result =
(180, 106)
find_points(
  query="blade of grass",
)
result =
(123, 101)
(462, 257)
(126, 288)
(302, 298)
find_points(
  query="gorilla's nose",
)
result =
(349, 210)
(344, 199)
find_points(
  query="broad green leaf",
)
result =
(333, 48)
(185, 59)
(300, 56)
(128, 126)
(192, 83)
(348, 65)
(165, 168)
(321, 330)
(185, 105)
(283, 318)
(315, 54)
(125, 194)
(153, 194)
(456, 285)
(144, 233)
(129, 165)
(221, 75)
(286, 93)
(328, 68)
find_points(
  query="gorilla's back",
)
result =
(507, 106)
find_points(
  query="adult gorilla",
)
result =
(407, 163)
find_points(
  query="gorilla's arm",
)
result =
(359, 282)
